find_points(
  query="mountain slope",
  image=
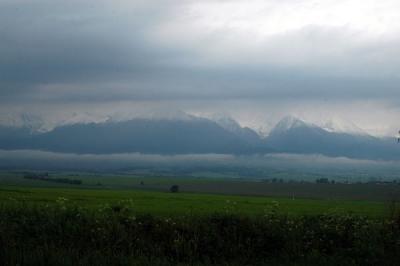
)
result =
(138, 135)
(246, 134)
(296, 136)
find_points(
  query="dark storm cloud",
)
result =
(74, 44)
(103, 50)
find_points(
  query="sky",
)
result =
(254, 60)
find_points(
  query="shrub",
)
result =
(174, 189)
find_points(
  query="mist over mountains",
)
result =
(182, 133)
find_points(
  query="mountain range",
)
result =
(188, 134)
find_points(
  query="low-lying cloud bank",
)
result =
(292, 165)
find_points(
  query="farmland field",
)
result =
(202, 195)
(186, 203)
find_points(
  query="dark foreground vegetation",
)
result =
(64, 234)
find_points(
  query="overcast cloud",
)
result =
(204, 55)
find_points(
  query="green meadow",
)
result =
(199, 195)
(166, 203)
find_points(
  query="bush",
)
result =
(174, 189)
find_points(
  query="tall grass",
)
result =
(66, 234)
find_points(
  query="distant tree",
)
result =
(141, 183)
(174, 189)
(322, 180)
(46, 177)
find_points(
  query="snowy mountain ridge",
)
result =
(37, 124)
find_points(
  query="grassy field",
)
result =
(202, 195)
(165, 203)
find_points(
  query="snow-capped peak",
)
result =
(34, 123)
(290, 122)
(264, 130)
(334, 125)
(167, 114)
(84, 118)
(340, 125)
(226, 122)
